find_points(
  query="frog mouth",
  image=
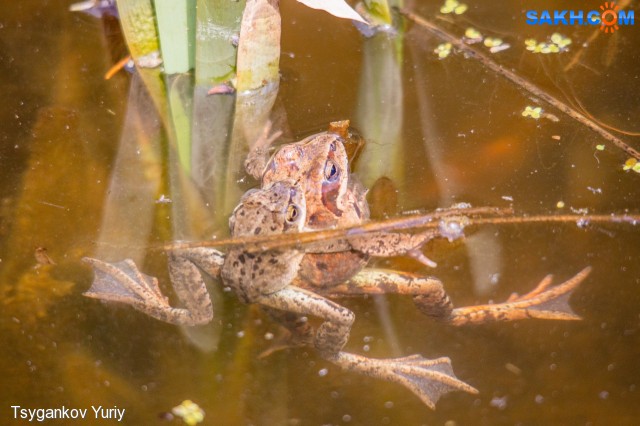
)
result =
(330, 192)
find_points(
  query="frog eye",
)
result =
(293, 213)
(331, 172)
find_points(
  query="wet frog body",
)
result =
(319, 164)
(276, 279)
(334, 198)
(277, 209)
(267, 278)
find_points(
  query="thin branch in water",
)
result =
(519, 81)
(270, 242)
(464, 217)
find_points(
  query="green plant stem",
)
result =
(176, 28)
(217, 26)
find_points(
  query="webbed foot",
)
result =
(429, 379)
(542, 302)
(122, 282)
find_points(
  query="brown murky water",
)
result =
(459, 136)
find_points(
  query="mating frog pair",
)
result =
(307, 186)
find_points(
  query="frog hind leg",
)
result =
(428, 379)
(544, 302)
(122, 282)
(428, 292)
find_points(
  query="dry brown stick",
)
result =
(520, 81)
(434, 220)
(580, 220)
(417, 221)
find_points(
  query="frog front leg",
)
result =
(544, 302)
(122, 282)
(428, 379)
(185, 270)
(387, 244)
(258, 156)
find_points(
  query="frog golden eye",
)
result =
(293, 212)
(331, 172)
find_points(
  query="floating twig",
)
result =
(464, 217)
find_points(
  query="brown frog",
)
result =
(320, 165)
(267, 278)
(275, 278)
(335, 198)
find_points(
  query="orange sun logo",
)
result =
(609, 17)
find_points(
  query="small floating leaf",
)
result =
(560, 40)
(448, 6)
(453, 6)
(549, 48)
(600, 147)
(492, 42)
(443, 50)
(473, 34)
(460, 9)
(532, 112)
(189, 412)
(560, 204)
(631, 163)
(554, 44)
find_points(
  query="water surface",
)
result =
(444, 131)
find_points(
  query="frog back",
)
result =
(278, 208)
